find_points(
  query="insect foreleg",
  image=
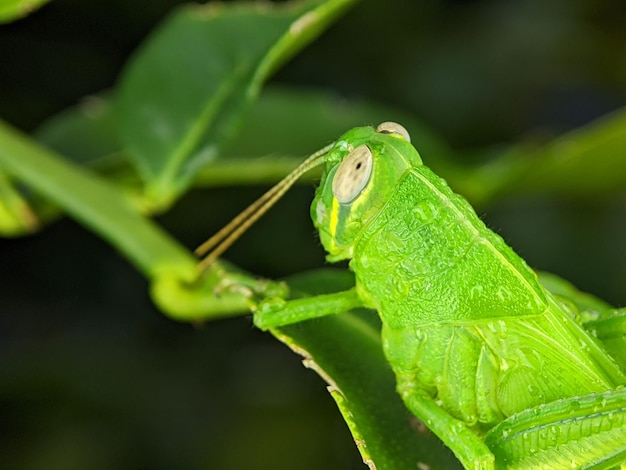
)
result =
(466, 445)
(277, 312)
(579, 432)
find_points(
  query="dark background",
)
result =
(93, 376)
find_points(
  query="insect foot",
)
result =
(254, 291)
(265, 310)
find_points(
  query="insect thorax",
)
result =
(427, 258)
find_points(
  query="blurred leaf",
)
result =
(184, 91)
(286, 124)
(346, 351)
(16, 216)
(86, 133)
(297, 121)
(282, 126)
(588, 162)
(11, 10)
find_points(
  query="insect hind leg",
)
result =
(579, 432)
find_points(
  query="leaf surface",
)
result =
(185, 90)
(346, 350)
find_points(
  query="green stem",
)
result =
(92, 201)
(102, 208)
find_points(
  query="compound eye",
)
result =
(390, 127)
(353, 174)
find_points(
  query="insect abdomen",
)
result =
(483, 371)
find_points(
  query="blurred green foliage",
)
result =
(11, 10)
(93, 376)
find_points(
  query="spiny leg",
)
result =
(579, 432)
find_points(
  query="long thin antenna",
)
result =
(222, 240)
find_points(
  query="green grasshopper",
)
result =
(505, 371)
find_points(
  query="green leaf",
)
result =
(286, 124)
(282, 126)
(186, 88)
(177, 286)
(86, 133)
(346, 351)
(296, 121)
(11, 10)
(587, 162)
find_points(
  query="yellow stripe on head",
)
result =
(334, 218)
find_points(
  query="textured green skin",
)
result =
(447, 287)
(471, 334)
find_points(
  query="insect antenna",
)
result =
(222, 240)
